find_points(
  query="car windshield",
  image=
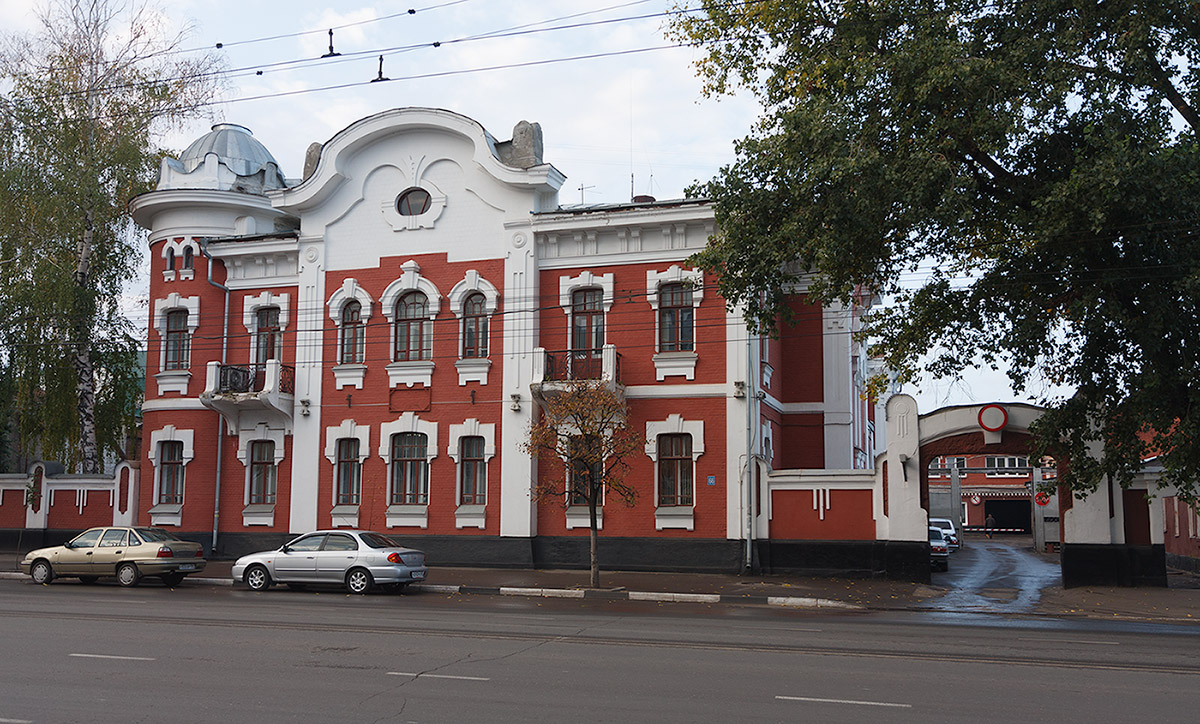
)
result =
(375, 540)
(935, 534)
(155, 535)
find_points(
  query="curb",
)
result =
(589, 594)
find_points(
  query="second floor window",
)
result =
(474, 472)
(170, 471)
(178, 340)
(414, 329)
(268, 335)
(349, 472)
(410, 469)
(674, 470)
(475, 326)
(587, 333)
(262, 472)
(675, 318)
(353, 342)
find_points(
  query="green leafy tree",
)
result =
(83, 102)
(586, 427)
(1035, 160)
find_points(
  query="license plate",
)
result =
(187, 567)
(418, 574)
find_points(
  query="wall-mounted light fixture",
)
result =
(739, 389)
(516, 402)
(304, 407)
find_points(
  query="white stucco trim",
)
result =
(473, 282)
(674, 274)
(350, 290)
(169, 514)
(410, 280)
(471, 516)
(251, 305)
(347, 429)
(681, 516)
(586, 279)
(258, 513)
(162, 307)
(407, 422)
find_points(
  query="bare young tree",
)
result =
(82, 103)
(586, 426)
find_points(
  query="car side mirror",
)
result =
(285, 549)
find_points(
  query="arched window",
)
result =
(475, 326)
(587, 333)
(675, 318)
(349, 472)
(353, 333)
(170, 472)
(188, 257)
(410, 469)
(178, 340)
(414, 329)
(268, 335)
(675, 469)
(473, 467)
(170, 260)
(262, 472)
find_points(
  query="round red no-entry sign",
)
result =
(993, 417)
(1042, 498)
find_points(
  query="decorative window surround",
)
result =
(767, 373)
(681, 363)
(577, 517)
(177, 246)
(410, 373)
(169, 513)
(174, 380)
(470, 516)
(415, 171)
(258, 513)
(675, 516)
(348, 374)
(407, 515)
(345, 516)
(251, 305)
(472, 369)
(568, 285)
(351, 375)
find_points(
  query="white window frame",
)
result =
(174, 380)
(471, 516)
(346, 515)
(407, 515)
(678, 363)
(176, 247)
(169, 513)
(250, 307)
(473, 369)
(408, 372)
(347, 375)
(675, 516)
(259, 513)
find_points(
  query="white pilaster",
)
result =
(307, 428)
(518, 512)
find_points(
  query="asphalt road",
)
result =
(76, 653)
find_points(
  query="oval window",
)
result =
(413, 202)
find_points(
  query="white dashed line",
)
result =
(437, 676)
(846, 701)
(106, 656)
(16, 721)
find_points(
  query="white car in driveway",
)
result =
(949, 530)
(356, 559)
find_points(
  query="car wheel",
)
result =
(128, 575)
(88, 579)
(173, 579)
(359, 580)
(41, 572)
(257, 578)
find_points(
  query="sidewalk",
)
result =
(1178, 604)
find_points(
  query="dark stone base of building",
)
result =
(893, 560)
(896, 560)
(1088, 564)
(1183, 563)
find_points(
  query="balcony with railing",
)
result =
(555, 370)
(265, 390)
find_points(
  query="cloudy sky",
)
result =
(620, 109)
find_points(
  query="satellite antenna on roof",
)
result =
(583, 188)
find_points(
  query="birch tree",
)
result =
(83, 104)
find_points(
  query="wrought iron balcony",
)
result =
(553, 370)
(247, 394)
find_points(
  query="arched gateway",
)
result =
(1112, 536)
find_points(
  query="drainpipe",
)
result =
(751, 395)
(220, 422)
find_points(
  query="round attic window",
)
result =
(413, 202)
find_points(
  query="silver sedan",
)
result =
(357, 559)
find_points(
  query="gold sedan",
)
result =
(128, 553)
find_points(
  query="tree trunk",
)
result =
(84, 372)
(595, 577)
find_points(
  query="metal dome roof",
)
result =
(237, 148)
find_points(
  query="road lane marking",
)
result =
(16, 721)
(106, 656)
(437, 676)
(1071, 641)
(846, 701)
